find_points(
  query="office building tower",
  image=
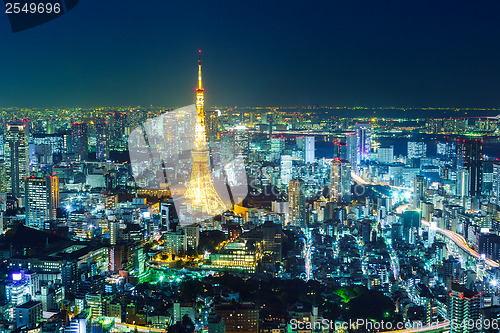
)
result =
(341, 151)
(352, 150)
(412, 221)
(297, 203)
(17, 293)
(56, 143)
(16, 158)
(385, 155)
(416, 149)
(119, 130)
(495, 199)
(309, 149)
(213, 125)
(80, 146)
(277, 146)
(114, 231)
(364, 142)
(192, 234)
(95, 303)
(29, 314)
(271, 240)
(419, 188)
(340, 181)
(286, 169)
(175, 242)
(102, 139)
(463, 308)
(470, 157)
(463, 182)
(241, 141)
(42, 200)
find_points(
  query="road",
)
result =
(462, 243)
(361, 181)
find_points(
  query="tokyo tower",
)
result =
(201, 192)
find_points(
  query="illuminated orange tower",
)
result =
(201, 192)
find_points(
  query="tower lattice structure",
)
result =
(201, 192)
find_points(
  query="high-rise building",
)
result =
(464, 307)
(114, 231)
(385, 155)
(42, 200)
(463, 182)
(119, 130)
(342, 151)
(201, 194)
(241, 137)
(419, 188)
(213, 124)
(364, 142)
(340, 181)
(16, 158)
(416, 149)
(470, 157)
(286, 169)
(495, 199)
(192, 234)
(175, 242)
(95, 303)
(352, 150)
(309, 149)
(411, 224)
(29, 314)
(80, 147)
(271, 239)
(102, 139)
(297, 203)
(277, 146)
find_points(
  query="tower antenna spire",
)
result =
(200, 86)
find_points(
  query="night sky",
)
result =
(267, 53)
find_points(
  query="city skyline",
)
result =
(280, 212)
(369, 54)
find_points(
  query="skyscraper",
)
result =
(309, 149)
(271, 239)
(102, 139)
(340, 181)
(419, 188)
(464, 307)
(416, 149)
(201, 193)
(364, 142)
(385, 155)
(463, 182)
(42, 200)
(297, 203)
(241, 137)
(80, 141)
(470, 157)
(286, 169)
(352, 150)
(118, 129)
(496, 185)
(16, 158)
